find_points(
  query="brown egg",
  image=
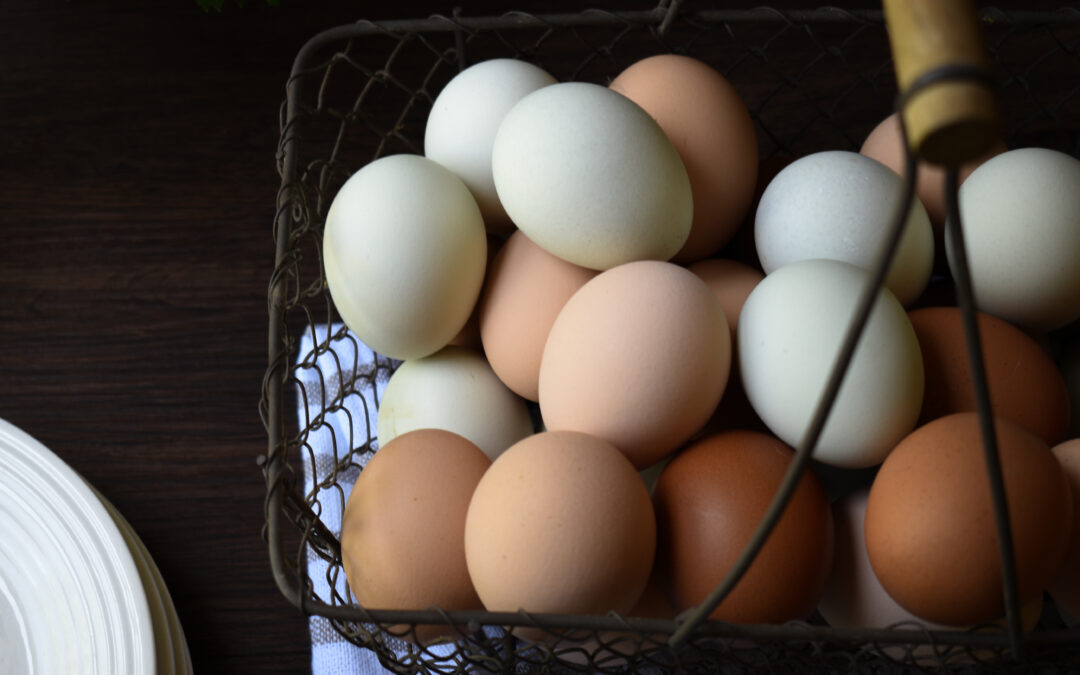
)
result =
(469, 336)
(524, 292)
(886, 146)
(639, 356)
(561, 523)
(402, 534)
(929, 528)
(708, 502)
(1025, 385)
(1066, 586)
(731, 281)
(709, 124)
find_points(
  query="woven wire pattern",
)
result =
(813, 81)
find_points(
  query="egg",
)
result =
(839, 205)
(1024, 383)
(524, 292)
(710, 126)
(1020, 213)
(464, 119)
(591, 178)
(709, 500)
(403, 530)
(886, 144)
(854, 598)
(731, 281)
(930, 532)
(560, 523)
(404, 272)
(789, 336)
(454, 389)
(639, 356)
(1065, 588)
(469, 335)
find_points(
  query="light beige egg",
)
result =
(524, 292)
(640, 357)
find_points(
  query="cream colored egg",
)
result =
(404, 251)
(454, 389)
(461, 127)
(1021, 220)
(838, 205)
(590, 177)
(790, 331)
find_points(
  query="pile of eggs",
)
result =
(594, 410)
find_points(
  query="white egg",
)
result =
(404, 251)
(590, 177)
(463, 121)
(1020, 213)
(839, 205)
(789, 334)
(454, 389)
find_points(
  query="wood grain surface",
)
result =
(137, 192)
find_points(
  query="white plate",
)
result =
(173, 657)
(71, 600)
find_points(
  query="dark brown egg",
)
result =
(1025, 385)
(930, 532)
(710, 498)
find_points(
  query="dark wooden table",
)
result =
(137, 195)
(137, 192)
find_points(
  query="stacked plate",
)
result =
(79, 593)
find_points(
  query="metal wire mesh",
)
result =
(813, 80)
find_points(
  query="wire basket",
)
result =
(364, 90)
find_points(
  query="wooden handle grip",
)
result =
(950, 121)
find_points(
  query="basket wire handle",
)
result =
(866, 300)
(965, 74)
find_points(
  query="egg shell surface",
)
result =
(709, 500)
(453, 389)
(930, 532)
(789, 335)
(464, 119)
(709, 124)
(523, 293)
(839, 205)
(404, 272)
(1065, 588)
(639, 356)
(590, 177)
(1025, 385)
(854, 598)
(562, 523)
(1020, 215)
(403, 529)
